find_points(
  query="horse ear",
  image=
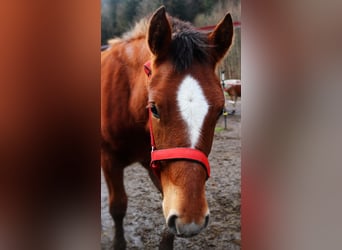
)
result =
(221, 37)
(159, 33)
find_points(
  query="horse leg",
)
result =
(114, 175)
(232, 98)
(167, 240)
(153, 177)
(235, 101)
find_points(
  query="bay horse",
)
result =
(159, 90)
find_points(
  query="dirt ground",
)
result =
(144, 221)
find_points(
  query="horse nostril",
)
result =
(172, 222)
(206, 221)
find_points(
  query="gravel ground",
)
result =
(144, 221)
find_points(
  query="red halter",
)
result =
(189, 154)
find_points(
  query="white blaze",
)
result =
(193, 107)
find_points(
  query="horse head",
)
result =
(185, 101)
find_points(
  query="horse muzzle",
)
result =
(177, 226)
(185, 206)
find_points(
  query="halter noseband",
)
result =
(181, 153)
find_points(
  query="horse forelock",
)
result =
(188, 44)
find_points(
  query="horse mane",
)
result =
(188, 43)
(138, 31)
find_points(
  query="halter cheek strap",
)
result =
(188, 154)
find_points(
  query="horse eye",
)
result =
(154, 111)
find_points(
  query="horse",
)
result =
(160, 101)
(233, 89)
